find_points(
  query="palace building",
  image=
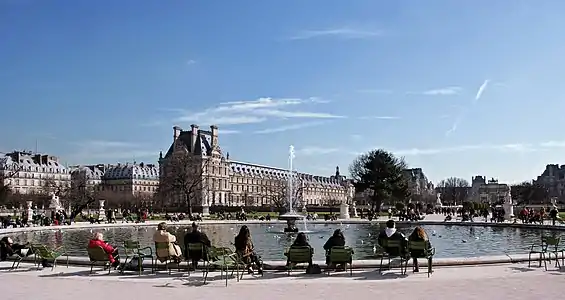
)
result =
(28, 173)
(234, 183)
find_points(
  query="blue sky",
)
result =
(460, 88)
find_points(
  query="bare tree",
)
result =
(277, 194)
(529, 192)
(184, 176)
(453, 190)
(81, 194)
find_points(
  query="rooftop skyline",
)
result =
(458, 89)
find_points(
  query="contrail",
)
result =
(478, 96)
(481, 90)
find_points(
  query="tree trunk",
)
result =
(189, 204)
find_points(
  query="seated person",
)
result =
(98, 241)
(419, 235)
(390, 233)
(302, 241)
(9, 248)
(163, 236)
(194, 237)
(337, 239)
(245, 249)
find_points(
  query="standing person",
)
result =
(245, 249)
(98, 241)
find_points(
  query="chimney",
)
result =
(193, 138)
(176, 132)
(214, 138)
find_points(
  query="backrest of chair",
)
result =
(299, 254)
(97, 254)
(131, 247)
(163, 247)
(131, 244)
(340, 254)
(418, 245)
(388, 243)
(550, 241)
(41, 250)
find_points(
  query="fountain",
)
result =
(290, 217)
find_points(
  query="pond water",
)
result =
(270, 243)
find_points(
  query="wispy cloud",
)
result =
(190, 62)
(509, 147)
(255, 111)
(343, 33)
(289, 127)
(315, 150)
(461, 115)
(356, 137)
(379, 118)
(446, 91)
(228, 131)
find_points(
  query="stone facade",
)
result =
(553, 178)
(489, 192)
(120, 179)
(419, 184)
(235, 183)
(27, 173)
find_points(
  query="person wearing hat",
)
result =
(195, 236)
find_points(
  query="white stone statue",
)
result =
(438, 200)
(508, 205)
(55, 203)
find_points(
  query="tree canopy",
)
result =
(528, 192)
(382, 173)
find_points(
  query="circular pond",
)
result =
(270, 243)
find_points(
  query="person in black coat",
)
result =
(337, 239)
(194, 237)
(390, 233)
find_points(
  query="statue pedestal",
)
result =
(101, 210)
(344, 211)
(205, 210)
(508, 211)
(29, 210)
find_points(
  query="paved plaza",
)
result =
(509, 281)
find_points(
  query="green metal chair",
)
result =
(547, 246)
(98, 255)
(43, 252)
(164, 259)
(298, 255)
(340, 255)
(424, 250)
(132, 249)
(396, 247)
(224, 259)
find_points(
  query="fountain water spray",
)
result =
(290, 183)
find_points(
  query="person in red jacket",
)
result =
(98, 241)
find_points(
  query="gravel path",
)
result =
(514, 282)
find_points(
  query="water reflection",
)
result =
(449, 240)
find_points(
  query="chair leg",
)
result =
(544, 261)
(91, 267)
(529, 259)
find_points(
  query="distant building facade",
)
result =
(119, 180)
(235, 183)
(553, 179)
(27, 172)
(490, 191)
(419, 184)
